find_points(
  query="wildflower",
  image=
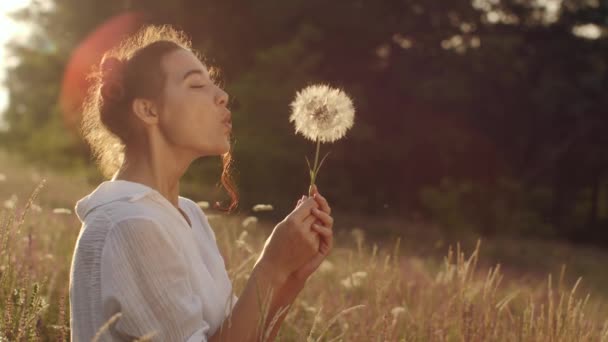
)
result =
(322, 114)
(354, 280)
(36, 208)
(358, 234)
(203, 204)
(62, 211)
(11, 202)
(241, 243)
(326, 266)
(262, 207)
(213, 216)
(396, 311)
(249, 220)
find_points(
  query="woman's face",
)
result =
(194, 116)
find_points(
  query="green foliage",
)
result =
(440, 92)
(505, 208)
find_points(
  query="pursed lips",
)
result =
(227, 122)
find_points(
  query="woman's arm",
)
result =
(243, 323)
(296, 281)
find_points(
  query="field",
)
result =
(386, 280)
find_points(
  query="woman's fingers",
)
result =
(322, 203)
(327, 220)
(303, 211)
(300, 200)
(327, 242)
(324, 231)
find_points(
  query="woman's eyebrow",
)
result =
(193, 71)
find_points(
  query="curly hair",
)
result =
(133, 70)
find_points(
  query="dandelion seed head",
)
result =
(354, 280)
(203, 204)
(322, 113)
(248, 221)
(262, 207)
(62, 211)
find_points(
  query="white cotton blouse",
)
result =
(137, 255)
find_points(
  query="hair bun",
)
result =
(112, 87)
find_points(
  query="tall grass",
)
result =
(363, 292)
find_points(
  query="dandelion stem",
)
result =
(315, 168)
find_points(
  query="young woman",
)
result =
(146, 263)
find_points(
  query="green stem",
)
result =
(315, 167)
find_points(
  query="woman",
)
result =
(146, 263)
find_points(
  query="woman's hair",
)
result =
(133, 70)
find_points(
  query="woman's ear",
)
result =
(145, 110)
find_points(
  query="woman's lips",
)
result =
(228, 126)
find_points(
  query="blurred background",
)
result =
(484, 117)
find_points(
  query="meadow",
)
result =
(385, 280)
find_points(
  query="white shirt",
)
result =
(137, 255)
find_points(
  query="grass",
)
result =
(398, 282)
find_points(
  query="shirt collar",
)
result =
(110, 191)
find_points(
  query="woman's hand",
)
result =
(293, 242)
(324, 226)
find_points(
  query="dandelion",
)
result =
(2, 177)
(203, 204)
(354, 280)
(262, 207)
(322, 114)
(249, 220)
(62, 211)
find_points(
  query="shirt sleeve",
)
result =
(145, 279)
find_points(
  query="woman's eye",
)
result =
(197, 86)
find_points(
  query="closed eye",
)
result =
(197, 86)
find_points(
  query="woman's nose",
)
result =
(222, 98)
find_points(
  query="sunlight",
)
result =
(9, 30)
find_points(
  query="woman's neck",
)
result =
(155, 168)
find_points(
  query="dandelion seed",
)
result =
(322, 114)
(11, 203)
(62, 211)
(2, 177)
(262, 207)
(203, 204)
(248, 221)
